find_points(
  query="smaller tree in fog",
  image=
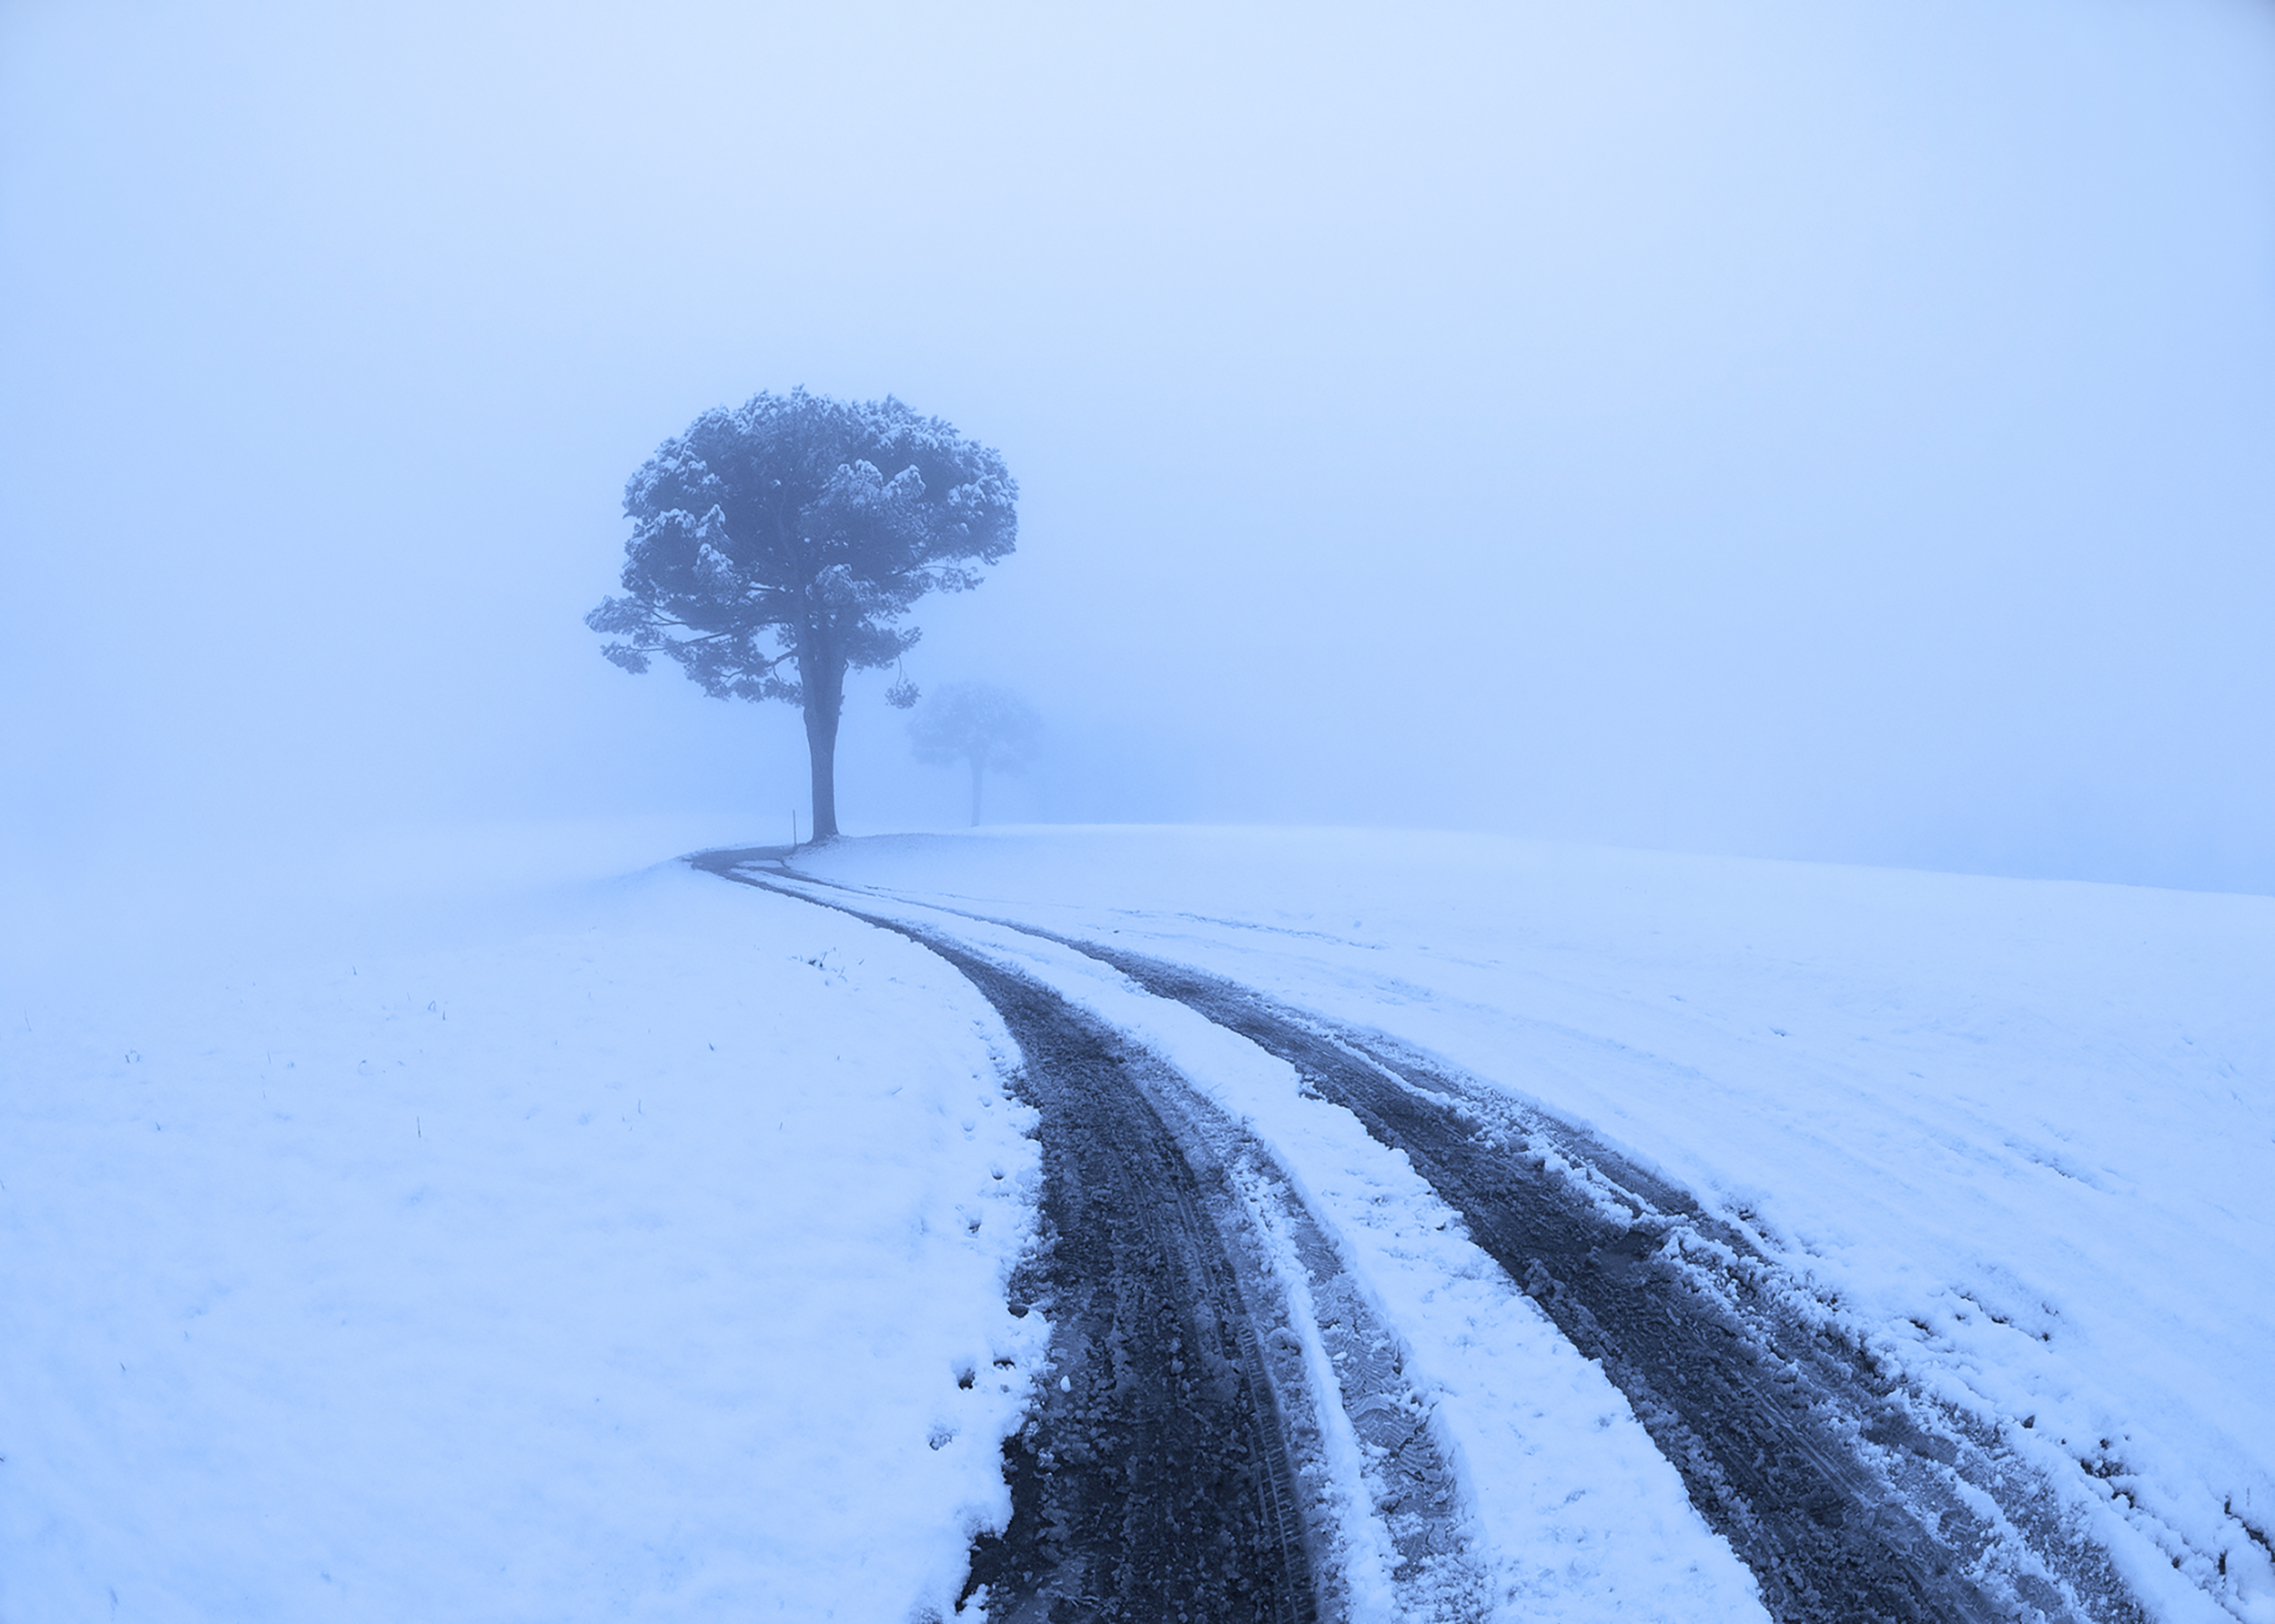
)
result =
(976, 725)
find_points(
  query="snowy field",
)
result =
(617, 1258)
(622, 1248)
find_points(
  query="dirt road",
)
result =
(1173, 1473)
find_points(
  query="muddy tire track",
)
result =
(1153, 1480)
(1155, 1483)
(1850, 1498)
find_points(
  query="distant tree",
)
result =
(974, 724)
(778, 545)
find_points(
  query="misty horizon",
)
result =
(1750, 430)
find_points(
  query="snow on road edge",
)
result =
(625, 1263)
(1583, 1517)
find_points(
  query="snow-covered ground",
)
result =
(612, 1252)
(618, 1257)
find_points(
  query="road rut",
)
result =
(1850, 1497)
(1153, 1482)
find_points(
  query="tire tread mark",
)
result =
(1162, 1488)
(1772, 1465)
(1848, 1497)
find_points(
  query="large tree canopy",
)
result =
(778, 545)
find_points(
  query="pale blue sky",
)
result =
(1835, 430)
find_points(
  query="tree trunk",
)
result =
(825, 703)
(976, 764)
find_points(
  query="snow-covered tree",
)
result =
(780, 544)
(974, 724)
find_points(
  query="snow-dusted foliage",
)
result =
(779, 544)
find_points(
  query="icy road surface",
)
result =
(647, 1249)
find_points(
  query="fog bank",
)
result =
(1756, 427)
